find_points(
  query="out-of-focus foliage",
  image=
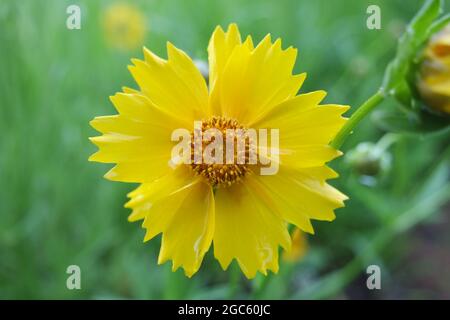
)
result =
(56, 209)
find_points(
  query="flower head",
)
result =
(434, 78)
(239, 206)
(124, 26)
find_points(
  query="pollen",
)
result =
(222, 173)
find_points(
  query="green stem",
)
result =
(235, 276)
(356, 117)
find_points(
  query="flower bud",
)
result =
(369, 159)
(434, 74)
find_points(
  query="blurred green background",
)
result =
(56, 209)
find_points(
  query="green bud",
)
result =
(368, 159)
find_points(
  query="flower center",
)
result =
(231, 163)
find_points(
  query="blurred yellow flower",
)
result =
(243, 213)
(124, 26)
(299, 247)
(434, 79)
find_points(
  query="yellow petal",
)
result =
(139, 159)
(186, 70)
(147, 194)
(305, 156)
(188, 236)
(220, 47)
(143, 171)
(299, 194)
(302, 121)
(255, 80)
(118, 124)
(290, 108)
(158, 214)
(302, 156)
(116, 147)
(137, 139)
(277, 203)
(174, 85)
(138, 107)
(247, 231)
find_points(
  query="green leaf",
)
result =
(438, 25)
(425, 18)
(409, 122)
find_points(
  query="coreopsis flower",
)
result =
(434, 77)
(124, 26)
(236, 206)
(299, 247)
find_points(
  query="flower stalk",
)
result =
(356, 117)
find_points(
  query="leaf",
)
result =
(409, 122)
(438, 25)
(425, 18)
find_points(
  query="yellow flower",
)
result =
(124, 26)
(299, 247)
(243, 213)
(434, 79)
